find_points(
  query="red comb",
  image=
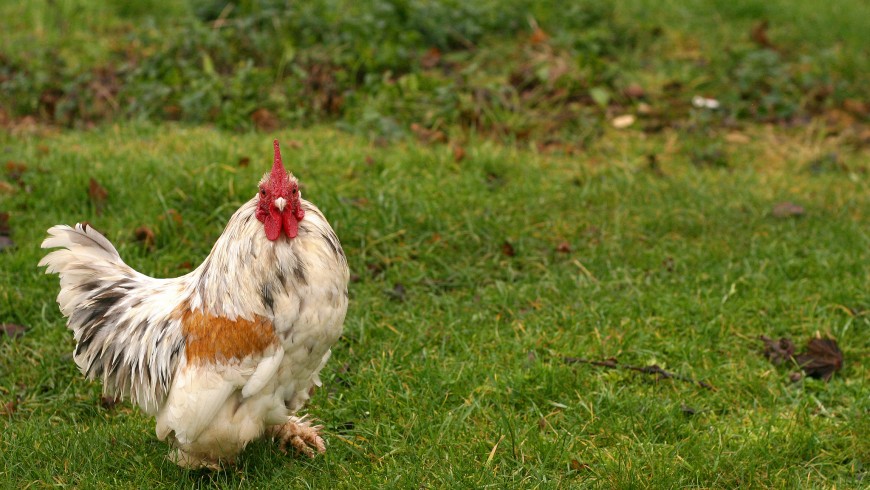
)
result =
(278, 175)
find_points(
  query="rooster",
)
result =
(227, 353)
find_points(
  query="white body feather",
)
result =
(130, 334)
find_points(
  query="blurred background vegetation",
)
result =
(517, 70)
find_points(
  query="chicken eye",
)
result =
(293, 191)
(263, 192)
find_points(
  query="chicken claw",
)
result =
(299, 432)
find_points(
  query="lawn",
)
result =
(489, 250)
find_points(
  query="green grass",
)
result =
(369, 65)
(555, 236)
(462, 382)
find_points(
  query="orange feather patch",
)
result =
(212, 339)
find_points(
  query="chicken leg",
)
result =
(299, 432)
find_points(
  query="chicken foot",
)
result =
(300, 434)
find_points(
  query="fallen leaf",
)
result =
(359, 202)
(15, 170)
(354, 278)
(796, 376)
(563, 247)
(176, 216)
(264, 120)
(578, 466)
(538, 36)
(9, 407)
(634, 91)
(507, 249)
(12, 330)
(6, 187)
(787, 210)
(623, 121)
(172, 112)
(244, 161)
(431, 58)
(458, 153)
(98, 195)
(856, 107)
(778, 351)
(821, 359)
(145, 235)
(186, 265)
(426, 135)
(758, 34)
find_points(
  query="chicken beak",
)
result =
(280, 203)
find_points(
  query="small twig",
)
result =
(612, 363)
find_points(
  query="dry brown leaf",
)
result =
(821, 359)
(634, 91)
(264, 120)
(244, 161)
(9, 407)
(431, 58)
(563, 247)
(778, 351)
(172, 112)
(538, 36)
(856, 107)
(758, 34)
(12, 330)
(15, 170)
(145, 235)
(458, 153)
(507, 249)
(426, 135)
(787, 209)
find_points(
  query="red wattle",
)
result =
(291, 224)
(273, 226)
